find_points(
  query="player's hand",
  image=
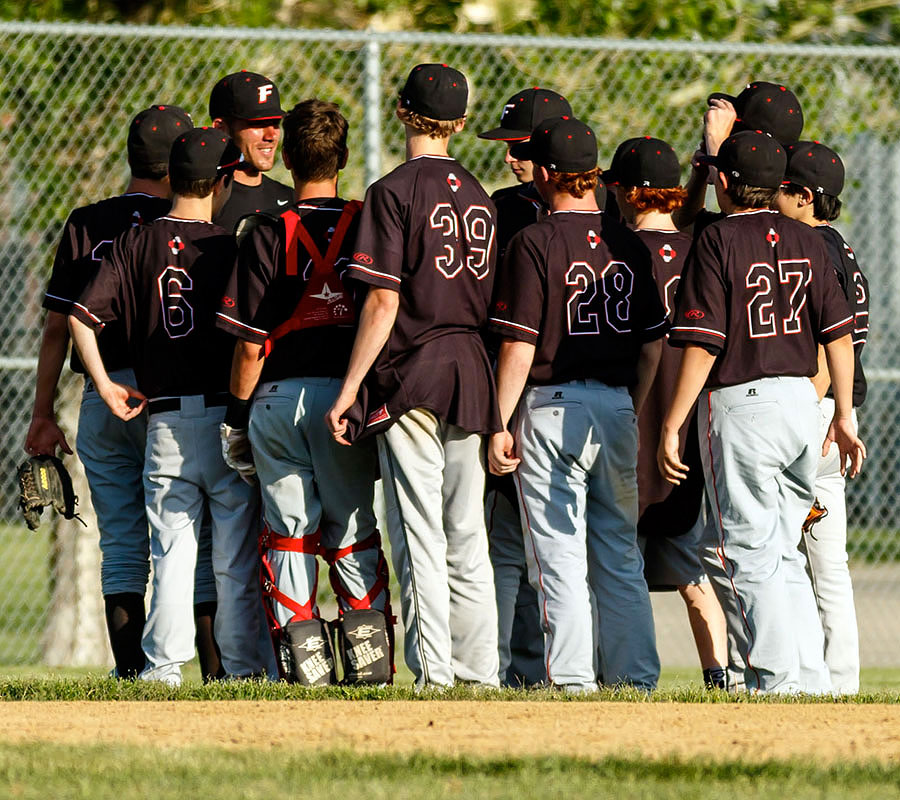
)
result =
(843, 433)
(670, 465)
(44, 436)
(121, 400)
(501, 454)
(717, 124)
(334, 417)
(236, 452)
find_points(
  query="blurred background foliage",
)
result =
(818, 21)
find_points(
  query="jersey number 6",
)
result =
(479, 232)
(177, 314)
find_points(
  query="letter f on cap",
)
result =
(264, 91)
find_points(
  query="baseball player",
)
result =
(647, 179)
(111, 451)
(756, 296)
(581, 322)
(520, 635)
(163, 281)
(247, 107)
(294, 316)
(812, 183)
(426, 249)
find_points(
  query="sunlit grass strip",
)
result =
(95, 688)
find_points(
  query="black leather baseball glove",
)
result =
(44, 481)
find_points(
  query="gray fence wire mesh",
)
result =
(68, 91)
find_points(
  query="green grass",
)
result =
(95, 687)
(119, 773)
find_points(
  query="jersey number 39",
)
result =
(478, 227)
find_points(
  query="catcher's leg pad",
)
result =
(306, 653)
(364, 645)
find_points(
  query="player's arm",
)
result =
(115, 395)
(840, 358)
(376, 321)
(648, 361)
(44, 434)
(696, 363)
(513, 366)
(822, 379)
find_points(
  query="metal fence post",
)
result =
(372, 110)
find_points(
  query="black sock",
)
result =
(207, 650)
(715, 678)
(125, 618)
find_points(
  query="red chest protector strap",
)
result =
(320, 304)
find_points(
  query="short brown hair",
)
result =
(315, 139)
(826, 207)
(193, 188)
(645, 198)
(435, 128)
(577, 184)
(744, 196)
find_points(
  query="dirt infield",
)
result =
(827, 733)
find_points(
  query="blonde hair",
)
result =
(435, 128)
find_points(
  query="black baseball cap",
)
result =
(815, 166)
(563, 144)
(245, 95)
(202, 154)
(645, 162)
(752, 158)
(524, 110)
(608, 176)
(767, 107)
(152, 132)
(435, 91)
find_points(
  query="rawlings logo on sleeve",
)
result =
(694, 313)
(362, 258)
(228, 302)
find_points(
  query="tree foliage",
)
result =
(841, 21)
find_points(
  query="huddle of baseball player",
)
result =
(578, 390)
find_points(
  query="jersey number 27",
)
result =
(796, 275)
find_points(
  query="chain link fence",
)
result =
(68, 91)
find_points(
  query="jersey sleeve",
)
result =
(828, 308)
(701, 304)
(650, 319)
(102, 301)
(62, 289)
(247, 308)
(517, 309)
(378, 251)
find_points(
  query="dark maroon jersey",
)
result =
(856, 290)
(578, 285)
(87, 236)
(668, 251)
(163, 282)
(262, 302)
(758, 290)
(270, 196)
(427, 231)
(517, 208)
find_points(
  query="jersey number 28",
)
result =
(584, 306)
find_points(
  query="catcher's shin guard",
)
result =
(365, 646)
(306, 645)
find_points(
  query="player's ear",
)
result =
(806, 197)
(219, 123)
(722, 179)
(343, 160)
(286, 159)
(460, 124)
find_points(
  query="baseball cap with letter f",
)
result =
(245, 95)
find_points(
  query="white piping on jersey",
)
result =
(361, 268)
(317, 208)
(240, 324)
(57, 297)
(658, 324)
(92, 316)
(754, 211)
(140, 194)
(836, 325)
(429, 155)
(698, 330)
(575, 211)
(514, 325)
(656, 230)
(182, 219)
